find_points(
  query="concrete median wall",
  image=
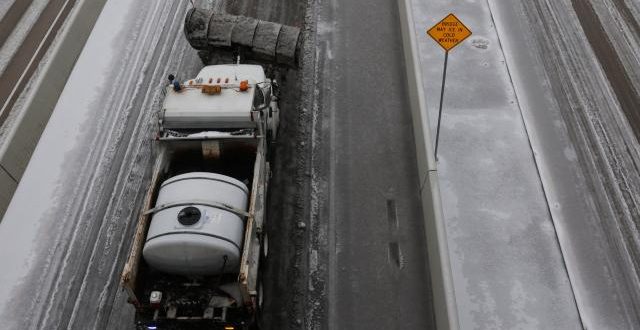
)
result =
(445, 308)
(43, 96)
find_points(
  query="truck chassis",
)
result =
(228, 301)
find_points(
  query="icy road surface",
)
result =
(63, 241)
(507, 265)
(27, 47)
(579, 108)
(538, 163)
(370, 257)
(63, 237)
(67, 232)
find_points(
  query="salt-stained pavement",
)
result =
(539, 233)
(507, 265)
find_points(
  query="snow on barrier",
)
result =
(444, 303)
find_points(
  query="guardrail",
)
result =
(43, 96)
(444, 302)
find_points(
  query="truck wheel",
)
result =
(260, 297)
(257, 321)
(273, 121)
(265, 245)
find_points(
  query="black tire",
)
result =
(257, 319)
(265, 245)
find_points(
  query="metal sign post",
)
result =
(444, 79)
(448, 33)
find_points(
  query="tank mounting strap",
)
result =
(221, 206)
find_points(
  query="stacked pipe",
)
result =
(207, 31)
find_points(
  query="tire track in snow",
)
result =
(124, 179)
(607, 154)
(107, 137)
(131, 180)
(608, 57)
(95, 183)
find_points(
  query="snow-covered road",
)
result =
(65, 231)
(43, 41)
(31, 41)
(538, 168)
(594, 188)
(68, 228)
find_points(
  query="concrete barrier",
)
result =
(43, 96)
(444, 302)
(8, 185)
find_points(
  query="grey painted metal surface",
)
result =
(25, 132)
(444, 301)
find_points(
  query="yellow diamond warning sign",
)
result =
(449, 32)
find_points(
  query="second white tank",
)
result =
(195, 238)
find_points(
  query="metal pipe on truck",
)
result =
(210, 32)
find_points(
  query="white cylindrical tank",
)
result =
(195, 238)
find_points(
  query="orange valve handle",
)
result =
(244, 85)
